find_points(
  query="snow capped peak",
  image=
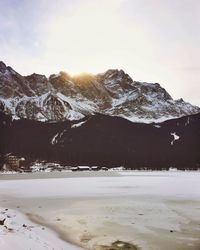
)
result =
(62, 97)
(6, 70)
(61, 76)
(64, 75)
(2, 66)
(112, 72)
(36, 77)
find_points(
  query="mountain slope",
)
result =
(61, 97)
(105, 141)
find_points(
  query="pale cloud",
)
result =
(152, 40)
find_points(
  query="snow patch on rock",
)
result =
(176, 137)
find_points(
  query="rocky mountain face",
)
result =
(62, 97)
(103, 140)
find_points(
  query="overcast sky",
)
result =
(152, 40)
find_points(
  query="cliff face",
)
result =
(62, 97)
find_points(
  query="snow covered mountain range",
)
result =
(62, 97)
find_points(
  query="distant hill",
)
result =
(105, 141)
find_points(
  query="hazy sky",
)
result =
(152, 40)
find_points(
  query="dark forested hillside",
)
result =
(106, 141)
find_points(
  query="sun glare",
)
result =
(93, 39)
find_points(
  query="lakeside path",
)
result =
(94, 210)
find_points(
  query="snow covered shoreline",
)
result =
(18, 232)
(152, 210)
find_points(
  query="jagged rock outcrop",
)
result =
(62, 96)
(13, 84)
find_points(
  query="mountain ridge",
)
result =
(62, 96)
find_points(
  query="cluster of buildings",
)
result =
(87, 168)
(13, 162)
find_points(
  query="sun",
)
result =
(87, 40)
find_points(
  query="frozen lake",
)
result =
(151, 210)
